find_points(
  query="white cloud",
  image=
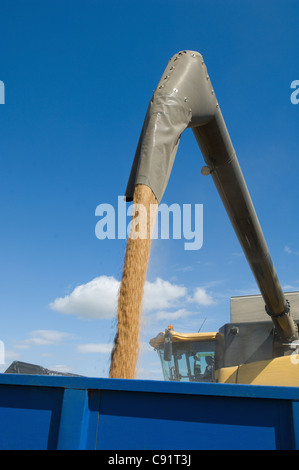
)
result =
(289, 251)
(291, 287)
(169, 315)
(96, 299)
(45, 337)
(99, 348)
(162, 295)
(201, 297)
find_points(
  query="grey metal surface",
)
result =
(185, 98)
(246, 342)
(19, 367)
(251, 308)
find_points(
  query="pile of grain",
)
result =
(126, 344)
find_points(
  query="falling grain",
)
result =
(126, 344)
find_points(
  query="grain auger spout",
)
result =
(184, 98)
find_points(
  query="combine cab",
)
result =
(186, 357)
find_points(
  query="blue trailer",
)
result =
(79, 413)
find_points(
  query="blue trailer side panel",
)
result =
(295, 418)
(39, 412)
(29, 417)
(176, 421)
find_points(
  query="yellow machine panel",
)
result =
(282, 371)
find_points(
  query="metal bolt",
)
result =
(205, 171)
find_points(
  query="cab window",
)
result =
(190, 362)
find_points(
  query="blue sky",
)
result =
(78, 77)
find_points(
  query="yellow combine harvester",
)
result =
(245, 351)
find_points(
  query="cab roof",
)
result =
(182, 337)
